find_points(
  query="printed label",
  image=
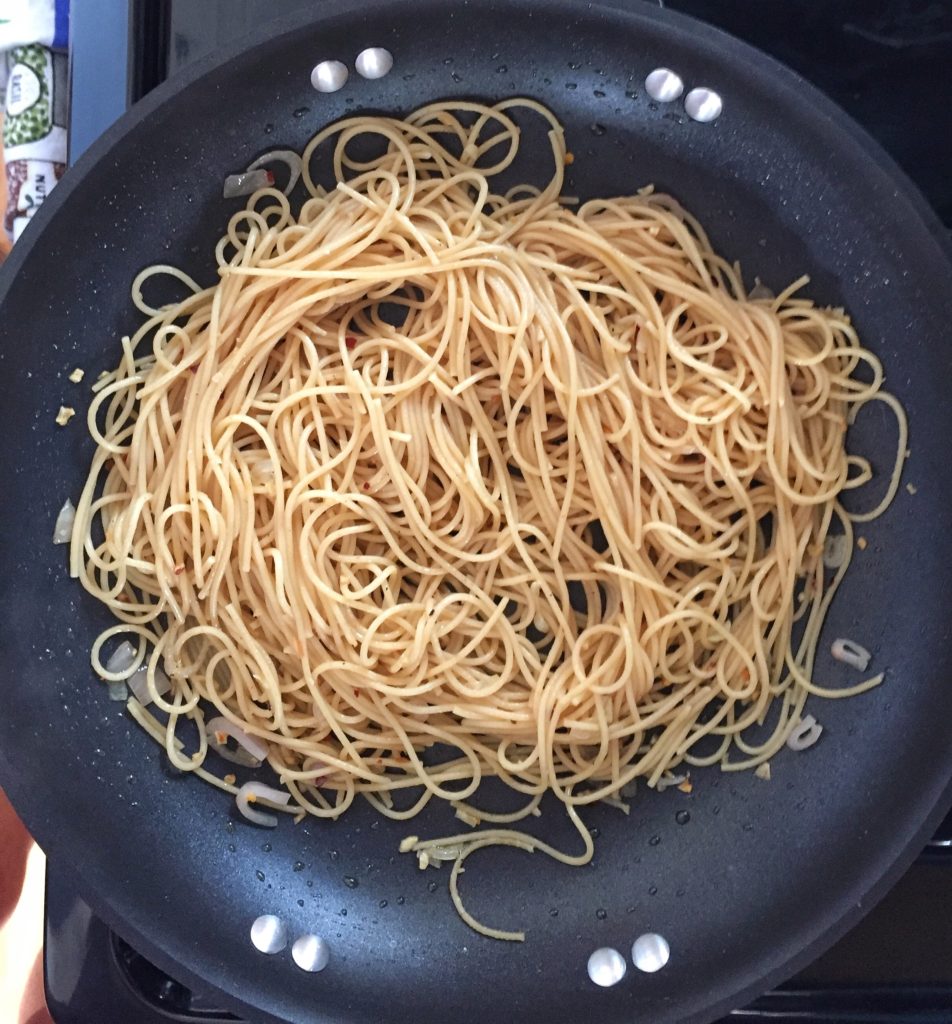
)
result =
(23, 89)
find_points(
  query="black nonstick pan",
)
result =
(746, 879)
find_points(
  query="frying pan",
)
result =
(758, 877)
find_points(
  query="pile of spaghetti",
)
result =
(438, 483)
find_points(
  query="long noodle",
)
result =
(440, 482)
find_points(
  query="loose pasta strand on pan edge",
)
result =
(435, 467)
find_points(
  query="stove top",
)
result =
(884, 61)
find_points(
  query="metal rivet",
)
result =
(268, 934)
(374, 62)
(329, 76)
(664, 85)
(650, 952)
(310, 953)
(703, 104)
(606, 967)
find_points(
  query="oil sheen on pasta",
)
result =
(532, 483)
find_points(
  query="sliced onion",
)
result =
(667, 780)
(287, 157)
(63, 530)
(121, 660)
(252, 792)
(247, 183)
(805, 734)
(835, 550)
(250, 752)
(118, 691)
(850, 653)
(139, 684)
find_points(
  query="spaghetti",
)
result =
(438, 483)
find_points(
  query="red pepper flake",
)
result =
(350, 341)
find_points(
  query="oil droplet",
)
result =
(601, 914)
(571, 86)
(351, 882)
(654, 840)
(401, 900)
(299, 865)
(597, 129)
(682, 817)
(259, 875)
(554, 912)
(432, 886)
(301, 111)
(653, 890)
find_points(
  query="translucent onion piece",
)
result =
(121, 660)
(63, 530)
(287, 157)
(246, 184)
(850, 653)
(251, 751)
(835, 550)
(250, 793)
(760, 291)
(139, 684)
(806, 733)
(667, 780)
(118, 691)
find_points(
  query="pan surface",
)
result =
(758, 877)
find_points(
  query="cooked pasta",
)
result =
(439, 483)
